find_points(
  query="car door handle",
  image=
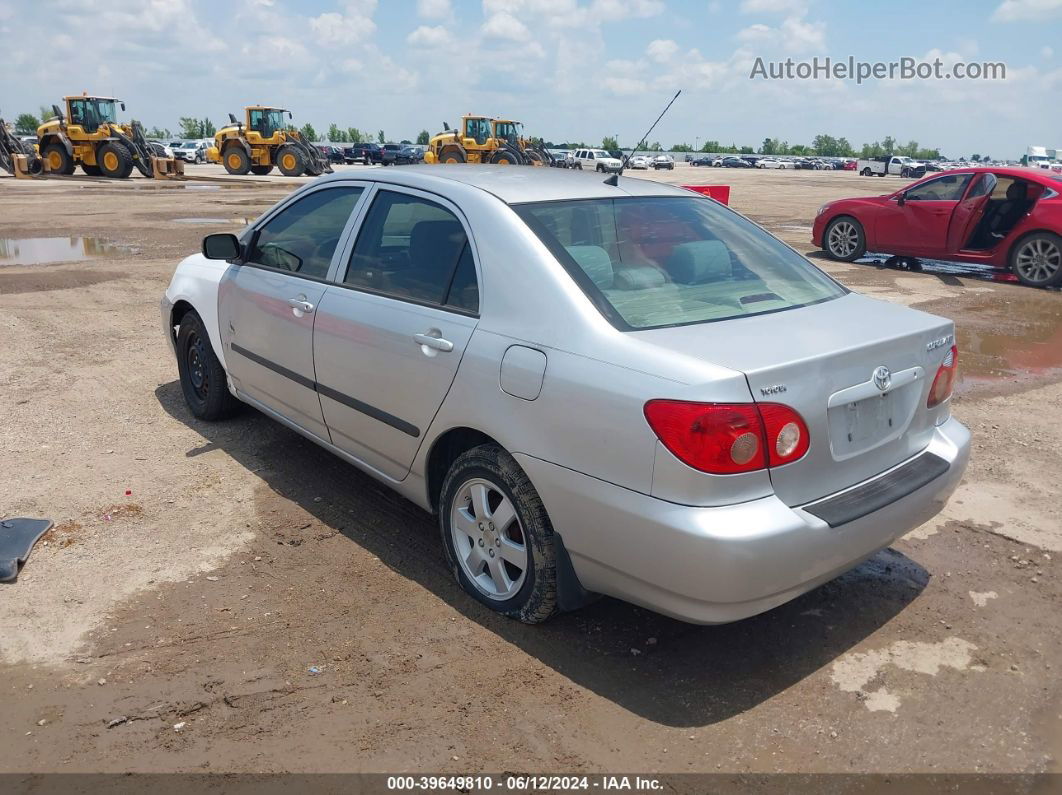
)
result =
(436, 343)
(301, 304)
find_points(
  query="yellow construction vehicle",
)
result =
(18, 157)
(262, 141)
(481, 139)
(88, 135)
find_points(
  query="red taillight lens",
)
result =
(728, 438)
(944, 380)
(786, 432)
(721, 438)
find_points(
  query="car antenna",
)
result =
(648, 132)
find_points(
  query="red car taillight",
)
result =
(728, 438)
(944, 380)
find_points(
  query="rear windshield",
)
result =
(670, 261)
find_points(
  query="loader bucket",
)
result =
(166, 168)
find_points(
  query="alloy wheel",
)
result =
(489, 541)
(1038, 260)
(843, 239)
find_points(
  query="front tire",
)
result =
(497, 535)
(236, 161)
(1036, 260)
(57, 159)
(203, 379)
(844, 239)
(114, 160)
(290, 161)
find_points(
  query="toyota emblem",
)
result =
(882, 378)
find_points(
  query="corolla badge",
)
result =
(882, 378)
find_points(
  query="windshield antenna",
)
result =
(650, 130)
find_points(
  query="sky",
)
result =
(569, 69)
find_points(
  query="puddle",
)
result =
(45, 250)
(967, 270)
(201, 187)
(236, 221)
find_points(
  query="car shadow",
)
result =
(664, 670)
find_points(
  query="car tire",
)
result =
(203, 379)
(866, 172)
(482, 484)
(844, 239)
(1036, 260)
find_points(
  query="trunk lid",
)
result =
(821, 360)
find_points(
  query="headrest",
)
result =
(639, 278)
(595, 262)
(699, 262)
(1017, 190)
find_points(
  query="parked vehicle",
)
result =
(703, 160)
(640, 162)
(891, 164)
(332, 153)
(733, 161)
(664, 162)
(684, 413)
(191, 152)
(597, 160)
(848, 165)
(365, 153)
(1005, 217)
(265, 139)
(411, 155)
(771, 162)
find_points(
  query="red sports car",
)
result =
(1006, 217)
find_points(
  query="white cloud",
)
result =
(794, 35)
(1027, 10)
(798, 7)
(624, 86)
(1047, 53)
(430, 37)
(505, 26)
(337, 30)
(661, 50)
(434, 9)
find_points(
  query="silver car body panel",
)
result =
(639, 524)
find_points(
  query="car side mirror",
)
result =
(221, 246)
(901, 200)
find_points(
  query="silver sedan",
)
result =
(599, 385)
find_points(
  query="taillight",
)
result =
(786, 433)
(728, 438)
(944, 380)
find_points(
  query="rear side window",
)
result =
(946, 188)
(414, 249)
(303, 236)
(668, 261)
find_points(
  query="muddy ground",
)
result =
(231, 598)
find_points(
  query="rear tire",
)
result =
(519, 579)
(1036, 260)
(58, 160)
(866, 172)
(844, 239)
(261, 171)
(452, 154)
(236, 161)
(203, 379)
(114, 160)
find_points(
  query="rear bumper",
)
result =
(719, 564)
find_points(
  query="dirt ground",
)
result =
(229, 597)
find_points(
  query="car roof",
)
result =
(517, 184)
(1021, 173)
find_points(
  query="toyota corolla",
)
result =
(599, 385)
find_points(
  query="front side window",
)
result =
(303, 237)
(946, 188)
(414, 249)
(668, 261)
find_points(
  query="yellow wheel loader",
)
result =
(18, 157)
(88, 135)
(480, 139)
(263, 141)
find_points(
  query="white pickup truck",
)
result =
(891, 164)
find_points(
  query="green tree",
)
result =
(975, 157)
(355, 135)
(158, 132)
(308, 133)
(207, 129)
(336, 135)
(711, 146)
(423, 138)
(46, 113)
(189, 127)
(26, 124)
(380, 137)
(769, 147)
(681, 148)
(609, 142)
(888, 145)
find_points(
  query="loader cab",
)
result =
(511, 131)
(477, 128)
(89, 113)
(268, 123)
